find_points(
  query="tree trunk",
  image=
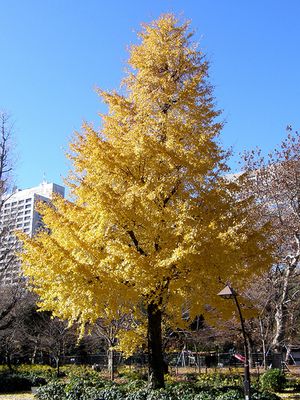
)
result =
(263, 341)
(8, 360)
(280, 316)
(110, 363)
(279, 327)
(33, 358)
(57, 362)
(288, 353)
(35, 350)
(250, 351)
(156, 361)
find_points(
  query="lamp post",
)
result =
(229, 293)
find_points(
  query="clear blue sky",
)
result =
(53, 53)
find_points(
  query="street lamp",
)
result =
(229, 293)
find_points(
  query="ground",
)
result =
(18, 396)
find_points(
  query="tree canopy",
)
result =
(153, 224)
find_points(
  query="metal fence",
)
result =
(183, 359)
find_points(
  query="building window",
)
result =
(28, 200)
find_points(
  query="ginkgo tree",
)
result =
(153, 224)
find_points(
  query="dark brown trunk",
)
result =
(156, 361)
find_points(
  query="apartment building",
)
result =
(18, 211)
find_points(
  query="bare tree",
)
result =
(15, 304)
(56, 339)
(7, 244)
(10, 296)
(107, 329)
(275, 182)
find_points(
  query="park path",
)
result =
(17, 396)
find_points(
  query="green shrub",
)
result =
(72, 370)
(111, 393)
(37, 373)
(233, 394)
(273, 380)
(218, 380)
(52, 391)
(41, 370)
(90, 389)
(206, 395)
(139, 394)
(130, 373)
(86, 388)
(264, 396)
(134, 385)
(33, 378)
(13, 383)
(293, 384)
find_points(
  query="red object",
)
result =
(240, 357)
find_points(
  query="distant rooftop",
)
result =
(44, 189)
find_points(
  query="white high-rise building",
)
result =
(18, 211)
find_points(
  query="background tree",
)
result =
(153, 223)
(7, 256)
(274, 182)
(107, 329)
(57, 339)
(15, 305)
(11, 297)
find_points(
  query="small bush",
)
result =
(273, 380)
(112, 393)
(38, 374)
(72, 370)
(218, 380)
(132, 374)
(134, 385)
(205, 396)
(53, 391)
(232, 394)
(44, 371)
(293, 384)
(10, 383)
(264, 396)
(84, 388)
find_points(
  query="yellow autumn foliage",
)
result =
(152, 219)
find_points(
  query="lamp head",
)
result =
(228, 292)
